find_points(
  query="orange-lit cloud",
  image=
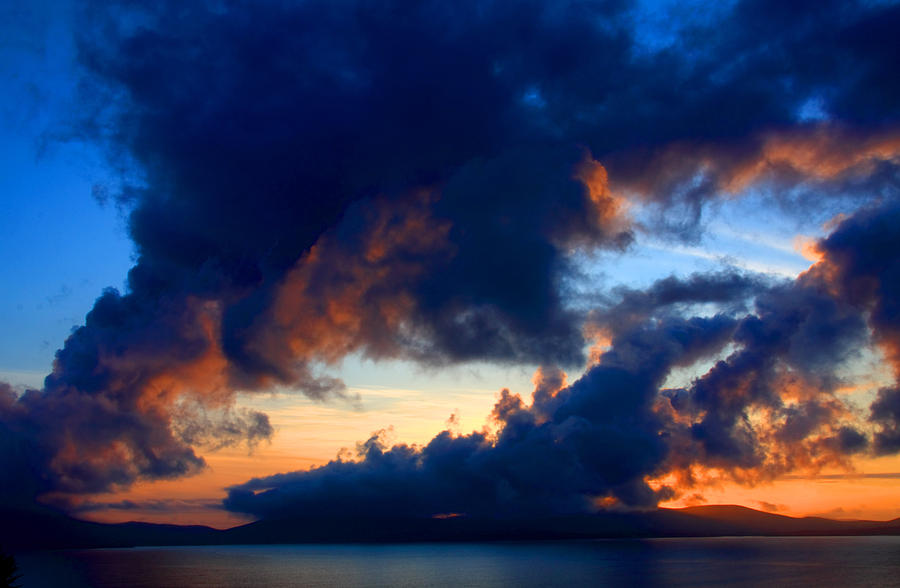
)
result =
(821, 153)
(337, 300)
(152, 409)
(611, 211)
(806, 247)
(825, 152)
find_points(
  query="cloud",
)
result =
(410, 180)
(597, 437)
(444, 278)
(130, 396)
(886, 412)
(840, 161)
(859, 266)
(616, 436)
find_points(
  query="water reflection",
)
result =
(747, 561)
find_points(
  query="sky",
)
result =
(495, 259)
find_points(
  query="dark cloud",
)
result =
(886, 412)
(23, 455)
(597, 438)
(860, 265)
(787, 366)
(862, 268)
(627, 306)
(773, 393)
(766, 409)
(779, 375)
(409, 179)
(307, 108)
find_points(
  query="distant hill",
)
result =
(48, 529)
(722, 519)
(44, 529)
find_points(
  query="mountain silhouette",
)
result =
(46, 529)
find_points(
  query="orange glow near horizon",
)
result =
(839, 496)
(308, 434)
(834, 495)
(311, 434)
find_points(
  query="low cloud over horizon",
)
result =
(309, 181)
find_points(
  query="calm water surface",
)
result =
(745, 561)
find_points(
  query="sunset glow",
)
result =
(445, 262)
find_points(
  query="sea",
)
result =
(722, 561)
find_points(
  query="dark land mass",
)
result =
(44, 529)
